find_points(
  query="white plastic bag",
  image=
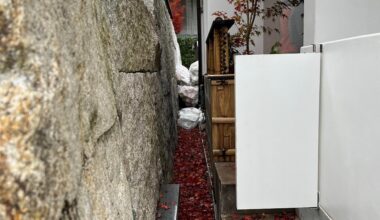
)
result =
(189, 94)
(182, 75)
(190, 117)
(194, 70)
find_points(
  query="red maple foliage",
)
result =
(190, 171)
(178, 11)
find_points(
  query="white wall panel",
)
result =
(350, 129)
(328, 20)
(309, 22)
(277, 109)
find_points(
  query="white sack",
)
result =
(190, 117)
(182, 75)
(189, 94)
(194, 70)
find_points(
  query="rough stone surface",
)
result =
(87, 108)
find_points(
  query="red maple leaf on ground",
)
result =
(190, 171)
(164, 206)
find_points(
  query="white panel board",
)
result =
(277, 109)
(350, 129)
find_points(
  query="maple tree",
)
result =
(245, 16)
(178, 11)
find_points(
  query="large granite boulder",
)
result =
(87, 108)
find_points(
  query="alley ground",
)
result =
(191, 173)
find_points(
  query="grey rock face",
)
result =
(87, 108)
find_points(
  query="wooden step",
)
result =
(225, 195)
(225, 188)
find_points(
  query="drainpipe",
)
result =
(200, 44)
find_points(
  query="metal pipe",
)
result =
(200, 44)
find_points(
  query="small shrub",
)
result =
(188, 50)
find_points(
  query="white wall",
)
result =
(350, 129)
(211, 6)
(328, 20)
(350, 108)
(309, 22)
(349, 176)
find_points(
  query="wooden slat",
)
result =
(211, 58)
(223, 120)
(224, 158)
(220, 77)
(223, 98)
(216, 52)
(224, 51)
(223, 136)
(221, 82)
(219, 152)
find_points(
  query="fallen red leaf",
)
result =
(164, 206)
(190, 171)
